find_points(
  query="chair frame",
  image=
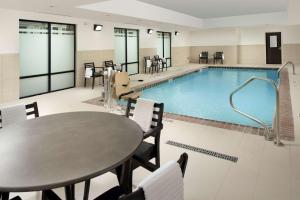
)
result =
(219, 56)
(145, 64)
(205, 57)
(154, 132)
(92, 66)
(139, 193)
(35, 111)
(110, 63)
(163, 64)
(136, 161)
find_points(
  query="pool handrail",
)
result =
(285, 65)
(268, 135)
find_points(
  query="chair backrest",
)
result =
(157, 112)
(145, 60)
(204, 54)
(154, 62)
(89, 65)
(156, 57)
(140, 195)
(219, 55)
(109, 63)
(32, 111)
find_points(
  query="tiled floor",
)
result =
(263, 171)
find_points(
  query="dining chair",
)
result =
(147, 151)
(219, 56)
(162, 63)
(147, 64)
(110, 63)
(117, 193)
(203, 56)
(31, 110)
(91, 73)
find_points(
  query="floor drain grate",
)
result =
(204, 151)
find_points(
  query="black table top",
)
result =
(63, 149)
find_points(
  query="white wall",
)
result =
(214, 37)
(294, 11)
(278, 18)
(87, 39)
(243, 36)
(256, 35)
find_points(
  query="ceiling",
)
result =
(221, 8)
(202, 9)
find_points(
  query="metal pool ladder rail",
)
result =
(268, 131)
(275, 128)
(285, 65)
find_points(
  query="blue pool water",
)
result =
(205, 94)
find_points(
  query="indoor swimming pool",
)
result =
(205, 94)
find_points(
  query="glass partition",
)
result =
(46, 49)
(164, 46)
(127, 49)
(62, 56)
(120, 46)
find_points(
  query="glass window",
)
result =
(40, 62)
(33, 38)
(163, 46)
(127, 49)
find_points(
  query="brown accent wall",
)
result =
(252, 54)
(98, 56)
(180, 56)
(9, 77)
(230, 53)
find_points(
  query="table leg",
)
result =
(50, 195)
(70, 192)
(5, 196)
(124, 174)
(87, 185)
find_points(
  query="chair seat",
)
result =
(112, 194)
(98, 74)
(145, 151)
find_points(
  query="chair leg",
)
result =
(5, 196)
(93, 84)
(84, 82)
(87, 185)
(70, 192)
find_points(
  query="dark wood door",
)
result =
(273, 48)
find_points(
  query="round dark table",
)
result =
(64, 149)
